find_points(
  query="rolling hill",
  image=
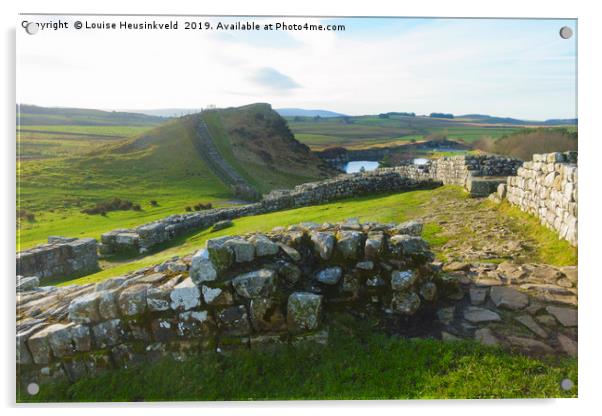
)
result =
(301, 112)
(28, 115)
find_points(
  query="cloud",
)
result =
(271, 78)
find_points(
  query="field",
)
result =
(546, 247)
(367, 131)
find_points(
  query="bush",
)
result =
(153, 202)
(115, 204)
(201, 206)
(525, 143)
(188, 209)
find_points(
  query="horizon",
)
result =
(517, 68)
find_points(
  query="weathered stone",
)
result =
(531, 345)
(478, 295)
(266, 315)
(256, 284)
(402, 280)
(445, 315)
(220, 225)
(456, 266)
(376, 282)
(409, 246)
(324, 243)
(220, 254)
(530, 323)
(202, 268)
(23, 354)
(234, 321)
(217, 296)
(27, 283)
(164, 329)
(39, 346)
(289, 272)
(193, 324)
(547, 320)
(365, 265)
(477, 315)
(158, 298)
(84, 309)
(566, 316)
(486, 337)
(374, 245)
(291, 252)
(108, 333)
(568, 345)
(447, 337)
(406, 303)
(82, 339)
(508, 298)
(243, 250)
(329, 276)
(408, 228)
(107, 304)
(303, 311)
(350, 284)
(185, 295)
(428, 291)
(264, 246)
(60, 339)
(348, 244)
(132, 300)
(109, 284)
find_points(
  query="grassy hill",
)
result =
(159, 164)
(31, 115)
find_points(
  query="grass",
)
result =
(551, 249)
(365, 366)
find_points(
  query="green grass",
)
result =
(551, 249)
(368, 366)
(165, 168)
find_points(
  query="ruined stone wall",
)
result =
(148, 235)
(246, 291)
(60, 257)
(547, 188)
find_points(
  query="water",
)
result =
(357, 165)
(420, 161)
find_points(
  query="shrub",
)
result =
(201, 206)
(188, 209)
(153, 202)
(115, 204)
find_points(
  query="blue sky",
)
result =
(515, 68)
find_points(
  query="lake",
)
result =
(357, 165)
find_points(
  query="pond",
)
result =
(357, 165)
(420, 161)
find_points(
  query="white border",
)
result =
(590, 24)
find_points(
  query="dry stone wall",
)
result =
(142, 238)
(250, 291)
(61, 257)
(547, 188)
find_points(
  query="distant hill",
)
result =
(486, 119)
(168, 112)
(300, 112)
(29, 115)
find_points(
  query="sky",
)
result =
(503, 67)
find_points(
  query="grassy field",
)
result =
(365, 365)
(367, 131)
(166, 169)
(383, 208)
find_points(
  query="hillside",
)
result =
(161, 164)
(28, 115)
(301, 112)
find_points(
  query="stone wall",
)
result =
(250, 291)
(547, 188)
(62, 256)
(146, 236)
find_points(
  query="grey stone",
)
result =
(402, 280)
(27, 283)
(375, 282)
(217, 296)
(486, 337)
(202, 268)
(132, 300)
(234, 320)
(409, 228)
(264, 246)
(259, 283)
(107, 304)
(243, 250)
(108, 333)
(82, 340)
(291, 252)
(39, 347)
(324, 243)
(84, 309)
(158, 298)
(530, 344)
(303, 311)
(109, 284)
(60, 339)
(220, 254)
(530, 323)
(365, 265)
(193, 324)
(220, 225)
(405, 303)
(374, 245)
(478, 295)
(566, 316)
(508, 298)
(348, 244)
(409, 246)
(447, 337)
(289, 272)
(446, 315)
(266, 315)
(329, 276)
(477, 315)
(185, 295)
(568, 345)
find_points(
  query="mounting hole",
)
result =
(566, 32)
(566, 384)
(33, 389)
(32, 28)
